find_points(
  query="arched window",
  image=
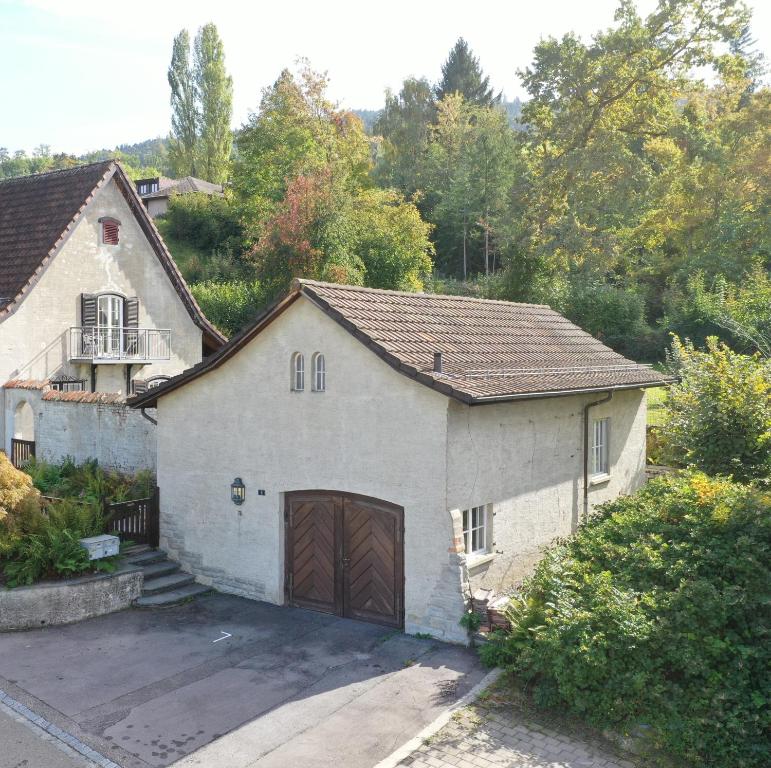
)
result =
(319, 373)
(298, 372)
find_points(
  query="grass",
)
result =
(656, 399)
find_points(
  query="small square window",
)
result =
(600, 447)
(475, 530)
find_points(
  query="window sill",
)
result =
(599, 479)
(478, 560)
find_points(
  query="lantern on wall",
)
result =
(237, 491)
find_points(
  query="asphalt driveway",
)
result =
(148, 688)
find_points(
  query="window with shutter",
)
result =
(88, 309)
(110, 230)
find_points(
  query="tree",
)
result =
(324, 230)
(184, 109)
(297, 131)
(214, 94)
(719, 414)
(629, 156)
(470, 168)
(462, 74)
(404, 125)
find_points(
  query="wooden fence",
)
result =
(21, 452)
(137, 520)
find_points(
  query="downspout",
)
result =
(587, 408)
(143, 411)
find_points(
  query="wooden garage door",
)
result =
(344, 555)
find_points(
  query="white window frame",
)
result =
(600, 449)
(298, 372)
(319, 372)
(476, 521)
(109, 333)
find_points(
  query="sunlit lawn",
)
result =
(656, 398)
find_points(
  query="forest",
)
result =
(629, 189)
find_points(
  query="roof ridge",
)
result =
(71, 169)
(300, 281)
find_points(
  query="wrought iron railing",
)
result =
(118, 344)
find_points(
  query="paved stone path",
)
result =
(493, 736)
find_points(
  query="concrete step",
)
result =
(154, 570)
(135, 549)
(147, 557)
(172, 597)
(167, 583)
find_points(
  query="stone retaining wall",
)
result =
(65, 602)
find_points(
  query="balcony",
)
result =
(119, 345)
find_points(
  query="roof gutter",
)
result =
(608, 397)
(563, 392)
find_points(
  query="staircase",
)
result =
(165, 584)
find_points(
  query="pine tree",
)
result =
(214, 92)
(462, 74)
(184, 112)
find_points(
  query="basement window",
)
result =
(110, 230)
(298, 372)
(475, 530)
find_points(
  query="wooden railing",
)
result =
(137, 520)
(21, 452)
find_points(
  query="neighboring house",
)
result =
(394, 451)
(155, 192)
(90, 299)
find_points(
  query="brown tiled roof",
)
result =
(35, 213)
(38, 212)
(183, 186)
(26, 384)
(104, 398)
(491, 350)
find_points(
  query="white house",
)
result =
(90, 302)
(378, 454)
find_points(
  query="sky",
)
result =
(80, 75)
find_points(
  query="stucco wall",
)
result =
(157, 206)
(34, 339)
(526, 460)
(117, 436)
(373, 432)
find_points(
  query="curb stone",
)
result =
(67, 739)
(410, 746)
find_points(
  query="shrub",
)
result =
(718, 418)
(229, 305)
(656, 612)
(88, 481)
(15, 486)
(615, 316)
(208, 222)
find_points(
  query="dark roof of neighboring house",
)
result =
(491, 350)
(183, 186)
(37, 215)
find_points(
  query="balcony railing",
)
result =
(117, 345)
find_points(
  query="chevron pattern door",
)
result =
(345, 555)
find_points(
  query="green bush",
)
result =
(656, 612)
(718, 418)
(615, 316)
(229, 305)
(88, 481)
(209, 222)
